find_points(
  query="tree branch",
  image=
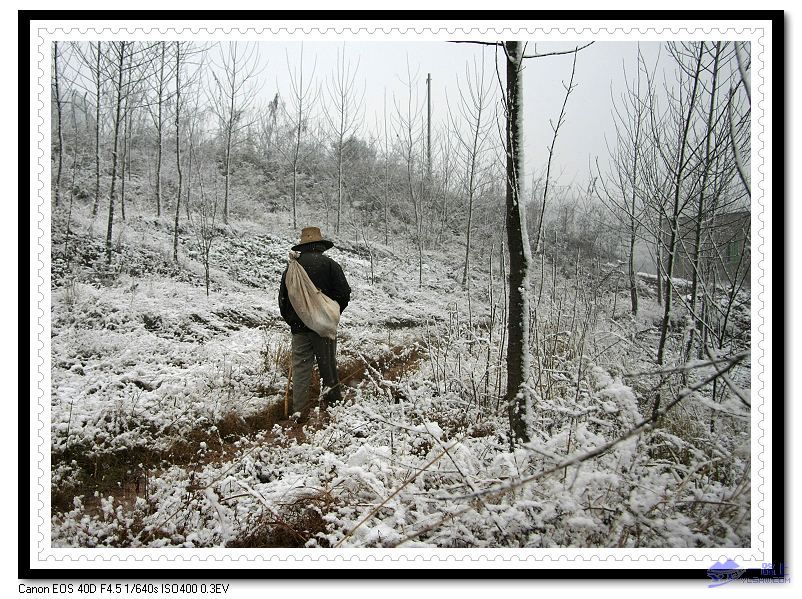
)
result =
(574, 51)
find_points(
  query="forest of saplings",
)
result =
(191, 134)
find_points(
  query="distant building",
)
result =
(725, 247)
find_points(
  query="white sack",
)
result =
(315, 309)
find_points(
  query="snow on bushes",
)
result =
(164, 406)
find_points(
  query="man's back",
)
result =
(326, 275)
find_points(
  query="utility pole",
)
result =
(428, 125)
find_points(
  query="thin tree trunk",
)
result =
(568, 90)
(125, 167)
(177, 146)
(659, 259)
(72, 182)
(297, 146)
(60, 131)
(700, 207)
(340, 175)
(230, 134)
(672, 247)
(386, 174)
(471, 179)
(633, 279)
(97, 134)
(428, 126)
(189, 168)
(295, 194)
(117, 111)
(159, 127)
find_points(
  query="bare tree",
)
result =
(555, 128)
(267, 131)
(92, 60)
(386, 169)
(98, 84)
(623, 195)
(59, 103)
(195, 117)
(442, 183)
(343, 115)
(182, 58)
(75, 152)
(677, 164)
(472, 108)
(160, 88)
(233, 93)
(518, 358)
(518, 354)
(118, 53)
(302, 100)
(411, 141)
(203, 216)
(127, 118)
(126, 63)
(703, 197)
(736, 123)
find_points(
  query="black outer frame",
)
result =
(778, 172)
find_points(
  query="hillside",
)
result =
(168, 425)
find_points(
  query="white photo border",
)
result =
(44, 32)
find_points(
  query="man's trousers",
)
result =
(306, 349)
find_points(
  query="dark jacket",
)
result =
(327, 276)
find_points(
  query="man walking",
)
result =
(307, 345)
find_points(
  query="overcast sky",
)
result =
(383, 66)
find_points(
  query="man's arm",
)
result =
(283, 298)
(341, 292)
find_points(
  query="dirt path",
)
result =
(125, 475)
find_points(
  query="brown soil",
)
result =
(124, 474)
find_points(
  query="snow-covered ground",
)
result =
(167, 409)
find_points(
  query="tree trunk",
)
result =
(700, 209)
(60, 132)
(125, 165)
(518, 243)
(97, 134)
(189, 168)
(294, 195)
(428, 126)
(72, 182)
(295, 171)
(177, 146)
(229, 135)
(659, 259)
(340, 174)
(633, 221)
(117, 112)
(672, 243)
(297, 145)
(471, 190)
(159, 127)
(672, 246)
(633, 279)
(386, 175)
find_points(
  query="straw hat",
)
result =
(312, 235)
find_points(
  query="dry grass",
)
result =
(124, 474)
